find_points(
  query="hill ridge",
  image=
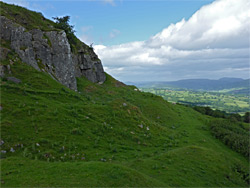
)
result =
(200, 84)
(107, 135)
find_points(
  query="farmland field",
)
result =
(221, 100)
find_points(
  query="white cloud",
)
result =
(214, 40)
(211, 26)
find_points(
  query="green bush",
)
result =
(246, 117)
(231, 134)
(63, 23)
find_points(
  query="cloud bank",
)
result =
(212, 43)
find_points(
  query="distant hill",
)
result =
(200, 84)
(66, 128)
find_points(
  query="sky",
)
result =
(160, 40)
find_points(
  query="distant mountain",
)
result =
(105, 134)
(232, 80)
(200, 84)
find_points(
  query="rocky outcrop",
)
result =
(50, 51)
(89, 65)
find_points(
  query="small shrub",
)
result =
(63, 23)
(231, 134)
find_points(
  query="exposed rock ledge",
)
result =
(50, 51)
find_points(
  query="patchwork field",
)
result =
(223, 100)
(109, 134)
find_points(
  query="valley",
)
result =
(107, 135)
(67, 123)
(223, 100)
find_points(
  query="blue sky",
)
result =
(160, 40)
(110, 22)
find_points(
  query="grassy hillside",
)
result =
(106, 135)
(26, 18)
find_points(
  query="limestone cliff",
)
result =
(50, 51)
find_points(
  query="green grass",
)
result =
(108, 135)
(26, 18)
(185, 166)
(92, 137)
(78, 174)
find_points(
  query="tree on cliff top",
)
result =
(63, 23)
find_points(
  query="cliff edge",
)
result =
(47, 49)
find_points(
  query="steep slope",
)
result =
(154, 143)
(105, 134)
(46, 48)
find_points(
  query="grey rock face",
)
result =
(50, 52)
(90, 66)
